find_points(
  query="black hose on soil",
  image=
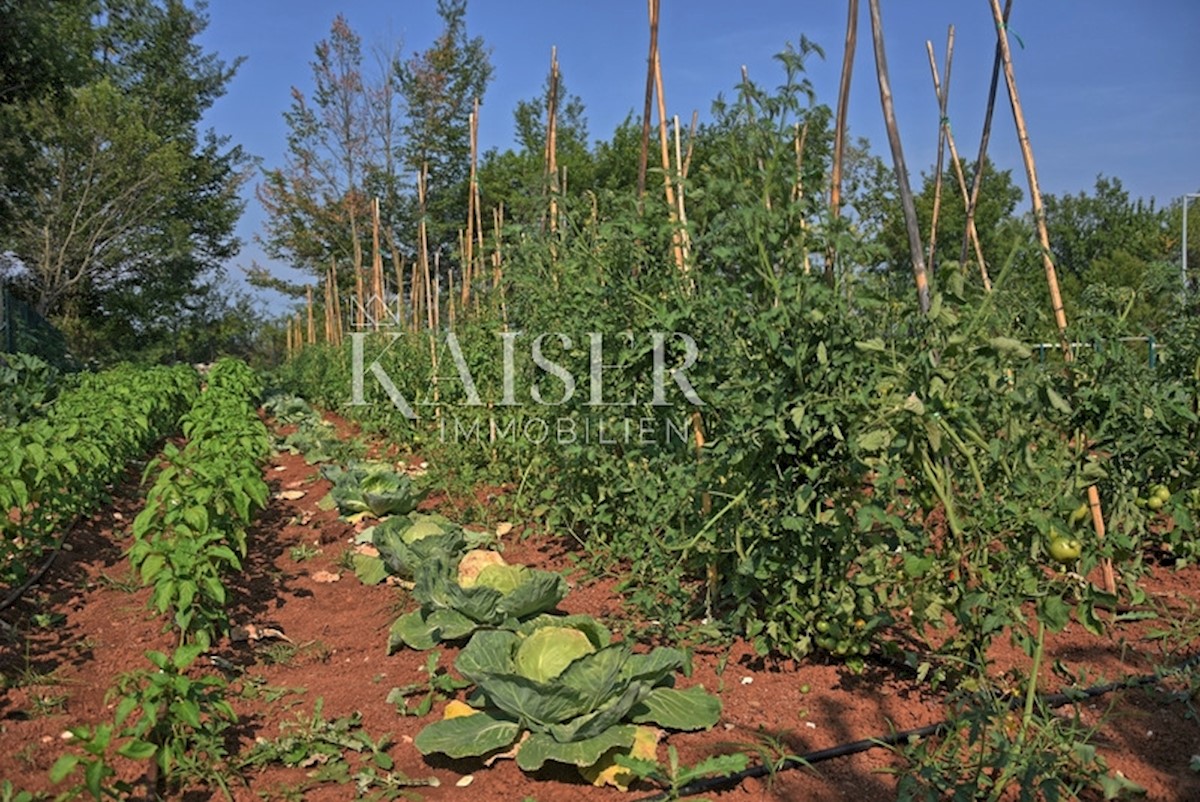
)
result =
(1051, 701)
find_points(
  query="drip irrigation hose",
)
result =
(1050, 701)
(37, 575)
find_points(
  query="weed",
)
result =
(283, 653)
(671, 776)
(438, 685)
(49, 704)
(303, 552)
(127, 583)
(990, 749)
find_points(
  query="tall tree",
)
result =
(440, 86)
(148, 214)
(516, 177)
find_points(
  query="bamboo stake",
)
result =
(678, 236)
(551, 155)
(800, 135)
(942, 93)
(980, 163)
(328, 309)
(687, 157)
(436, 306)
(337, 303)
(312, 329)
(1035, 193)
(651, 71)
(1039, 214)
(378, 310)
(943, 97)
(906, 198)
(423, 244)
(681, 213)
(839, 141)
(398, 268)
(469, 244)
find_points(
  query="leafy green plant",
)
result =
(406, 542)
(314, 742)
(438, 685)
(672, 777)
(184, 719)
(575, 693)
(459, 596)
(372, 487)
(98, 779)
(989, 752)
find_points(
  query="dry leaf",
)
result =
(290, 495)
(324, 576)
(510, 754)
(465, 780)
(503, 528)
(367, 550)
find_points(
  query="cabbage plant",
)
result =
(459, 596)
(561, 691)
(374, 487)
(406, 542)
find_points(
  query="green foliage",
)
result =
(27, 385)
(180, 720)
(451, 611)
(407, 542)
(121, 207)
(438, 686)
(987, 752)
(192, 529)
(575, 713)
(672, 777)
(372, 487)
(58, 466)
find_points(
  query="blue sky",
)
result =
(1108, 86)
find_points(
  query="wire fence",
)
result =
(23, 330)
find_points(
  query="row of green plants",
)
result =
(62, 463)
(190, 535)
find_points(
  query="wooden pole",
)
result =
(551, 150)
(1039, 215)
(398, 268)
(943, 97)
(981, 162)
(942, 92)
(312, 328)
(906, 198)
(651, 71)
(1035, 193)
(839, 135)
(678, 235)
(423, 240)
(337, 303)
(469, 244)
(799, 137)
(378, 308)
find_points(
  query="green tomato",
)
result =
(1065, 549)
(1080, 515)
(1161, 492)
(823, 627)
(1156, 503)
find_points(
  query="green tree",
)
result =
(1115, 254)
(998, 199)
(146, 218)
(517, 177)
(440, 86)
